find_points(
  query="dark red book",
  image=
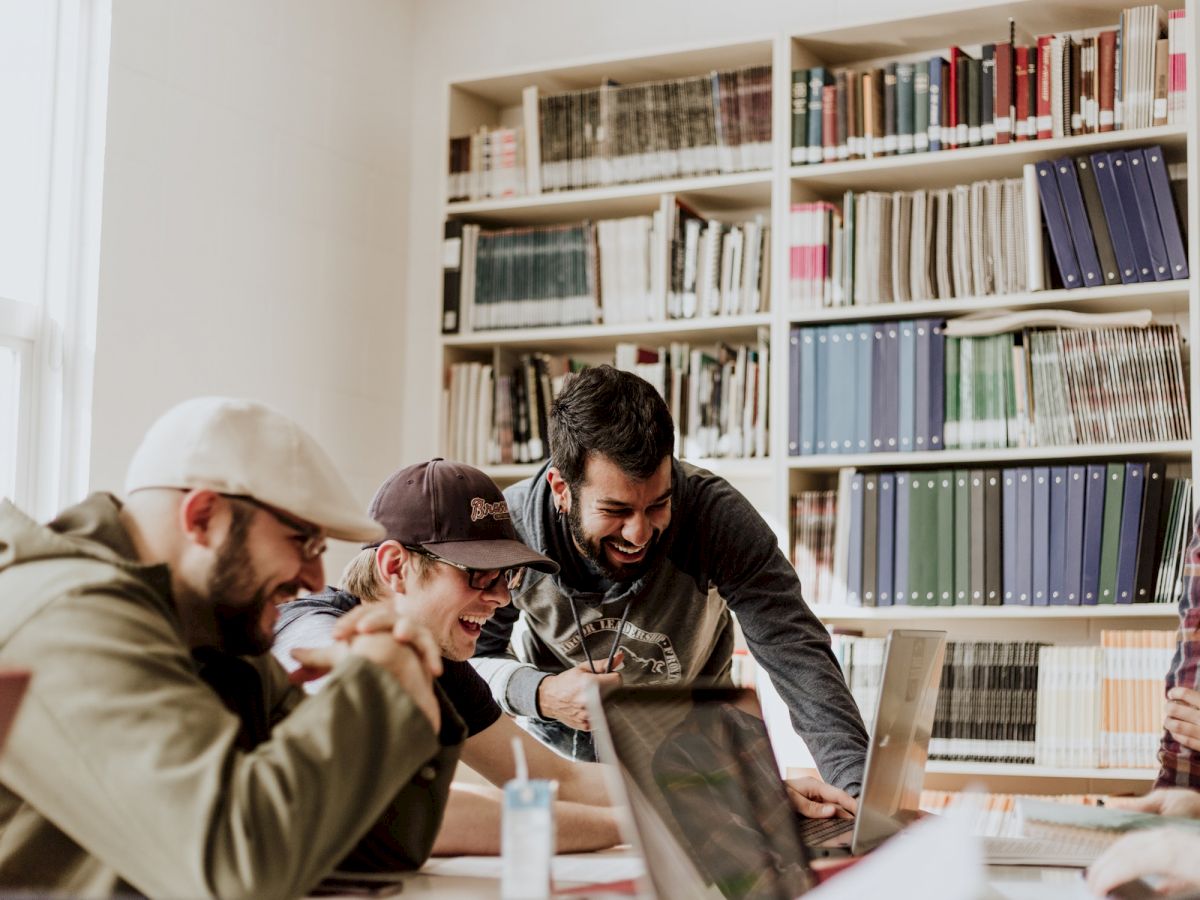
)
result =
(1107, 62)
(1003, 109)
(1031, 86)
(1045, 94)
(829, 136)
(1021, 94)
(854, 119)
(950, 98)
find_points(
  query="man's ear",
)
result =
(199, 513)
(558, 487)
(391, 559)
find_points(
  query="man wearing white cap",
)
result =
(160, 749)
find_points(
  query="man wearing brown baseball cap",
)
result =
(449, 559)
(160, 749)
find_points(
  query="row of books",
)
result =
(1112, 218)
(718, 400)
(487, 163)
(1063, 387)
(621, 133)
(966, 241)
(1017, 702)
(714, 267)
(992, 814)
(813, 526)
(987, 699)
(1037, 535)
(1103, 706)
(672, 264)
(987, 702)
(908, 386)
(493, 417)
(1078, 83)
(519, 277)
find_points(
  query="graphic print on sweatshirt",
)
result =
(650, 657)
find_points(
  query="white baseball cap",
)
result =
(243, 448)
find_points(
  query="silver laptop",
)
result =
(710, 813)
(899, 748)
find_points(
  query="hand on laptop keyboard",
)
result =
(817, 800)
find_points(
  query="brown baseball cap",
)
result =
(455, 511)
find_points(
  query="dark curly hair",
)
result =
(616, 414)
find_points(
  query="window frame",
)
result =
(56, 337)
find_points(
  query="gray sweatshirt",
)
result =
(717, 555)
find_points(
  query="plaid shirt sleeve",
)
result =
(1180, 767)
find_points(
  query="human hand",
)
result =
(378, 617)
(565, 696)
(392, 641)
(1170, 854)
(401, 661)
(1163, 802)
(817, 800)
(1182, 716)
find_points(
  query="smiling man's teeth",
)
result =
(628, 548)
(475, 620)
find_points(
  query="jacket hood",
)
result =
(87, 544)
(90, 530)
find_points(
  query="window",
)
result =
(53, 90)
(10, 418)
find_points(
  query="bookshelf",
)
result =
(595, 337)
(928, 170)
(713, 192)
(497, 100)
(1176, 450)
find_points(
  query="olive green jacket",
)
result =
(122, 771)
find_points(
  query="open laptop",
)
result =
(899, 748)
(710, 813)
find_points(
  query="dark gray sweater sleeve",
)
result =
(741, 556)
(514, 684)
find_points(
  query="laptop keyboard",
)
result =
(817, 831)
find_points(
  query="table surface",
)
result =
(1004, 883)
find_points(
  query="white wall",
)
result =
(458, 39)
(254, 237)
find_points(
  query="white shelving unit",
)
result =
(496, 100)
(1176, 450)
(1110, 613)
(594, 337)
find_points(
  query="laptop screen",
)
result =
(895, 770)
(699, 768)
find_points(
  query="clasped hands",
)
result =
(392, 640)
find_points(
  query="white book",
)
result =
(732, 299)
(485, 430)
(533, 154)
(1032, 208)
(751, 259)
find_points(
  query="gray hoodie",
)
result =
(716, 555)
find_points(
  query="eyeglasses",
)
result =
(313, 544)
(479, 579)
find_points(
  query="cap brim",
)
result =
(501, 554)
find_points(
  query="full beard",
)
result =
(237, 605)
(593, 550)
